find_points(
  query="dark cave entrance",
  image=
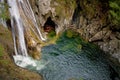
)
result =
(49, 25)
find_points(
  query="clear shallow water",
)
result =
(71, 59)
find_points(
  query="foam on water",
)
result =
(23, 61)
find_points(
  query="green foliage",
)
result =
(114, 5)
(4, 11)
(51, 34)
(115, 12)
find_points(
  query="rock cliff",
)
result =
(89, 18)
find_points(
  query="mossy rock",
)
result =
(51, 34)
(64, 11)
(71, 33)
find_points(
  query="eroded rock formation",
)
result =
(89, 18)
(60, 11)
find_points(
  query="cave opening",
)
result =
(49, 25)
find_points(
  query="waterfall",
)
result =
(17, 25)
(22, 21)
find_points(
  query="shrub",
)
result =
(115, 12)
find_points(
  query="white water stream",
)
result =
(21, 13)
(17, 26)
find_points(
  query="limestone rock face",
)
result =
(34, 47)
(88, 17)
(60, 11)
(92, 22)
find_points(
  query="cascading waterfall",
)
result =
(22, 19)
(69, 59)
(27, 10)
(17, 26)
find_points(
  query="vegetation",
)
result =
(69, 33)
(66, 9)
(4, 14)
(51, 34)
(115, 12)
(1, 50)
(70, 41)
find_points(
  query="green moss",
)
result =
(79, 47)
(1, 50)
(64, 8)
(51, 34)
(67, 3)
(69, 34)
(70, 41)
